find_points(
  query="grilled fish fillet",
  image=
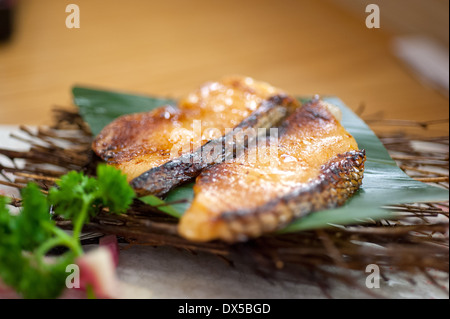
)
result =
(163, 148)
(315, 165)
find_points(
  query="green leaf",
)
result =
(100, 107)
(20, 235)
(161, 205)
(176, 201)
(76, 193)
(6, 220)
(113, 189)
(181, 197)
(46, 281)
(35, 212)
(384, 182)
(71, 195)
(27, 237)
(11, 263)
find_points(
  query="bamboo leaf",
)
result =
(99, 107)
(161, 205)
(384, 182)
(181, 197)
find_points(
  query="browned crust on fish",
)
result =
(338, 180)
(124, 139)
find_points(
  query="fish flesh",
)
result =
(314, 164)
(165, 147)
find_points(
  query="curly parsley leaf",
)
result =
(26, 238)
(46, 280)
(11, 263)
(113, 189)
(6, 222)
(74, 190)
(20, 237)
(78, 196)
(34, 215)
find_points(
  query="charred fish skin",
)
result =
(235, 201)
(160, 180)
(339, 180)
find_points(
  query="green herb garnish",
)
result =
(26, 238)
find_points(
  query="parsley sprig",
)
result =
(26, 238)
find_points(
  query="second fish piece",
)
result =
(314, 164)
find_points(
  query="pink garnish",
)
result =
(110, 242)
(97, 270)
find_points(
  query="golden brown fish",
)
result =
(314, 165)
(166, 147)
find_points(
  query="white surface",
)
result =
(170, 273)
(13, 144)
(426, 58)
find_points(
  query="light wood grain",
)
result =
(170, 47)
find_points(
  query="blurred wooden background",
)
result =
(170, 47)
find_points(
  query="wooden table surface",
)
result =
(170, 47)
